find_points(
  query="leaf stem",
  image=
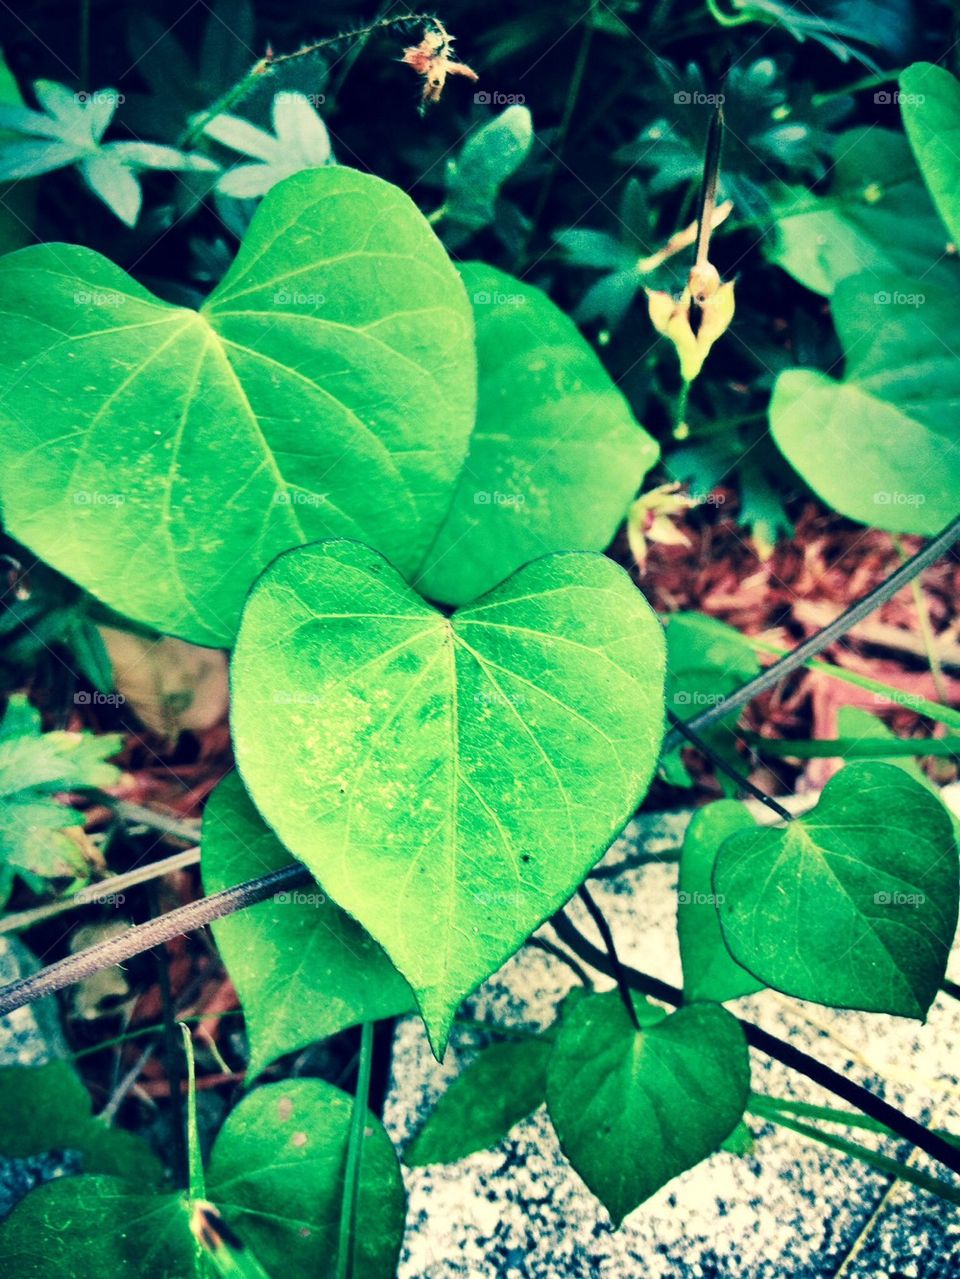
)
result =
(196, 1185)
(718, 761)
(347, 1240)
(616, 967)
(823, 638)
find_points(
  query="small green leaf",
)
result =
(634, 1108)
(880, 445)
(854, 905)
(161, 456)
(449, 781)
(53, 1112)
(277, 1173)
(555, 457)
(930, 102)
(709, 972)
(501, 1086)
(302, 968)
(490, 155)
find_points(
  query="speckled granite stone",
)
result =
(791, 1208)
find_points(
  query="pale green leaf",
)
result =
(449, 781)
(930, 102)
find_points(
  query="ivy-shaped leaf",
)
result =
(930, 102)
(634, 1108)
(555, 456)
(161, 456)
(69, 130)
(35, 841)
(490, 156)
(276, 1176)
(302, 968)
(854, 905)
(709, 972)
(449, 780)
(880, 445)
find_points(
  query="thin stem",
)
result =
(780, 1050)
(171, 1050)
(548, 947)
(718, 761)
(196, 1185)
(708, 189)
(85, 45)
(926, 629)
(823, 638)
(142, 1031)
(950, 988)
(347, 1241)
(616, 967)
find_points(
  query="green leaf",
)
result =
(161, 457)
(930, 102)
(880, 446)
(555, 457)
(53, 1112)
(854, 905)
(33, 766)
(708, 970)
(634, 1108)
(490, 155)
(277, 1173)
(858, 226)
(706, 661)
(501, 1086)
(90, 1227)
(302, 968)
(449, 781)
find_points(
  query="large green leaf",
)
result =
(53, 1112)
(303, 968)
(276, 1175)
(930, 102)
(633, 1108)
(161, 456)
(555, 457)
(449, 781)
(859, 225)
(854, 905)
(709, 972)
(880, 446)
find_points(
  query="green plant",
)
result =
(384, 483)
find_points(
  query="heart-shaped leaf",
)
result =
(854, 905)
(276, 1175)
(930, 102)
(555, 457)
(709, 972)
(633, 1108)
(449, 781)
(161, 457)
(302, 968)
(880, 446)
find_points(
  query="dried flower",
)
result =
(432, 58)
(715, 304)
(651, 520)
